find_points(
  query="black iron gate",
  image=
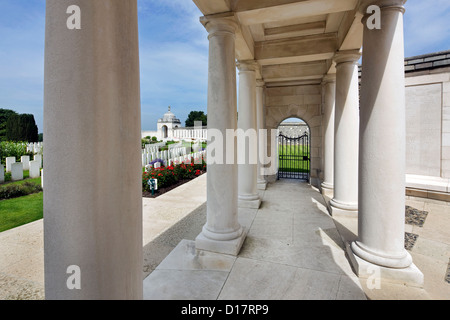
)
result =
(294, 157)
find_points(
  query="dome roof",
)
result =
(170, 117)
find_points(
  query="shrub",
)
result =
(18, 190)
(168, 176)
(13, 149)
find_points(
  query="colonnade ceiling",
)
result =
(293, 41)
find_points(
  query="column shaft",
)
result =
(262, 139)
(248, 143)
(93, 172)
(381, 222)
(346, 131)
(222, 231)
(329, 87)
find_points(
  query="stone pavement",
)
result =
(293, 250)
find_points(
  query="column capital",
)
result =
(247, 65)
(220, 23)
(347, 56)
(260, 83)
(382, 4)
(329, 78)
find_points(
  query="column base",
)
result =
(249, 203)
(327, 190)
(231, 247)
(262, 184)
(340, 209)
(410, 275)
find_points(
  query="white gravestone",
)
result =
(2, 173)
(38, 158)
(9, 161)
(17, 171)
(34, 169)
(26, 162)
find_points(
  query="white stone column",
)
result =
(346, 131)
(92, 207)
(329, 87)
(248, 147)
(381, 223)
(261, 125)
(222, 232)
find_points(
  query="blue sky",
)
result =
(173, 53)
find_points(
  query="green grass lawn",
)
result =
(291, 158)
(20, 211)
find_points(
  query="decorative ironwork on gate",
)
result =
(294, 157)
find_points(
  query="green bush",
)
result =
(18, 190)
(13, 149)
(168, 176)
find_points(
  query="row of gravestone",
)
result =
(197, 157)
(148, 157)
(17, 168)
(35, 147)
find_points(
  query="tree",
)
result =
(21, 127)
(196, 116)
(4, 115)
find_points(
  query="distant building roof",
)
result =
(169, 117)
(428, 61)
(425, 62)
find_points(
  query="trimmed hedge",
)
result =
(10, 191)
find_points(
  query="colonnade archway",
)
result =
(310, 114)
(294, 150)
